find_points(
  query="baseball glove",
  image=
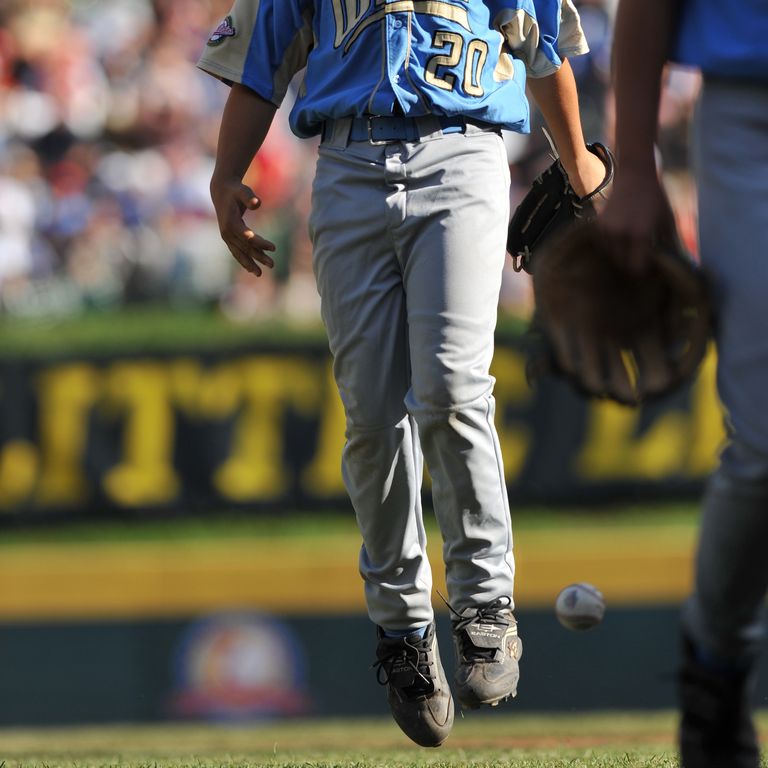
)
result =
(551, 206)
(617, 333)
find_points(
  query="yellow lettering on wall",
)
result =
(613, 450)
(322, 476)
(66, 394)
(707, 416)
(210, 393)
(139, 392)
(511, 390)
(256, 469)
(681, 443)
(18, 472)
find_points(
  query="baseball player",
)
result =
(409, 215)
(722, 621)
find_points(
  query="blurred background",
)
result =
(108, 134)
(175, 540)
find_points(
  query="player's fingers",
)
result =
(604, 369)
(592, 364)
(258, 246)
(655, 368)
(247, 263)
(599, 368)
(241, 254)
(247, 198)
(620, 378)
(565, 347)
(249, 248)
(245, 249)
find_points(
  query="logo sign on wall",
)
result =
(236, 666)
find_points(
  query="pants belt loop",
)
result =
(336, 132)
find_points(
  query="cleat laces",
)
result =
(486, 614)
(408, 668)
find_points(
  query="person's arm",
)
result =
(638, 210)
(244, 126)
(557, 98)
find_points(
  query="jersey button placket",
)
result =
(397, 48)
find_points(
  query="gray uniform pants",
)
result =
(731, 157)
(408, 253)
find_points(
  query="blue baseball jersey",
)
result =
(383, 57)
(725, 39)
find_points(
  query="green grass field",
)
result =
(478, 740)
(677, 518)
(163, 327)
(610, 740)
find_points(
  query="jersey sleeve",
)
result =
(541, 33)
(261, 44)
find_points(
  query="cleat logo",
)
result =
(485, 630)
(514, 647)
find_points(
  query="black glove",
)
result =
(550, 207)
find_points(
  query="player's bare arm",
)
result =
(557, 98)
(244, 126)
(638, 211)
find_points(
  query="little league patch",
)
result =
(222, 32)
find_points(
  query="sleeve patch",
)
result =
(222, 32)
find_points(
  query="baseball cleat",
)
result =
(417, 689)
(716, 727)
(488, 650)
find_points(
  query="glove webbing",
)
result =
(580, 208)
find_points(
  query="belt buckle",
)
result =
(371, 140)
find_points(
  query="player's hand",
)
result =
(637, 217)
(232, 199)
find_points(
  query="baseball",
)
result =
(580, 606)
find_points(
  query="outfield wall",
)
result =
(243, 628)
(241, 667)
(249, 629)
(263, 428)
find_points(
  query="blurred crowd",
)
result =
(107, 139)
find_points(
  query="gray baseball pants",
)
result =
(731, 156)
(409, 246)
